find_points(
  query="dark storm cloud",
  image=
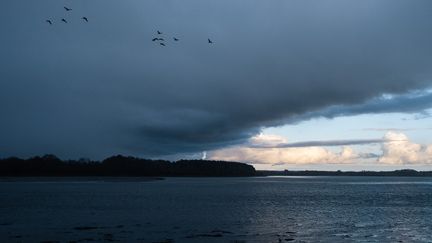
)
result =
(103, 87)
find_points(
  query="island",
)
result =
(50, 165)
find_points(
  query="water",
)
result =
(272, 209)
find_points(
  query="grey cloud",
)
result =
(103, 87)
(395, 129)
(277, 164)
(368, 155)
(414, 102)
(321, 143)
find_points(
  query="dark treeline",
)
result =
(406, 172)
(50, 165)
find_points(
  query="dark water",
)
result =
(272, 209)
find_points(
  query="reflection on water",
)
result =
(271, 209)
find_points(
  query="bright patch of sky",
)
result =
(366, 126)
(415, 128)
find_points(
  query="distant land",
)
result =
(127, 166)
(50, 165)
(405, 172)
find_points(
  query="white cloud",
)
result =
(300, 155)
(397, 149)
(267, 140)
(400, 150)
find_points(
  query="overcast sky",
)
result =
(94, 89)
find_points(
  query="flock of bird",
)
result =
(159, 40)
(49, 21)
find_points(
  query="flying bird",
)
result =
(159, 32)
(161, 39)
(85, 18)
(67, 9)
(155, 39)
(175, 39)
(49, 21)
(209, 41)
(162, 44)
(64, 20)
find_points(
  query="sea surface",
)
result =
(258, 209)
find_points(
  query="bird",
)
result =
(175, 39)
(161, 39)
(67, 9)
(85, 18)
(155, 39)
(162, 44)
(159, 32)
(64, 20)
(209, 41)
(49, 21)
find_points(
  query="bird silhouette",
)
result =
(64, 20)
(85, 18)
(155, 39)
(209, 41)
(175, 39)
(49, 21)
(161, 39)
(159, 33)
(67, 9)
(162, 44)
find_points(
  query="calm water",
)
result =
(272, 209)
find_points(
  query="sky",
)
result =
(286, 84)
